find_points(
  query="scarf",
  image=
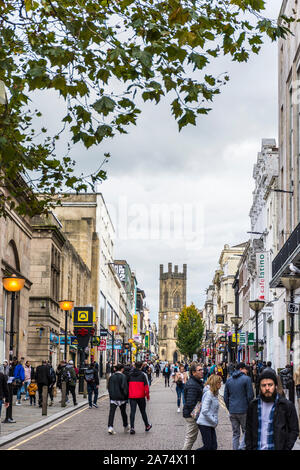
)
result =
(270, 432)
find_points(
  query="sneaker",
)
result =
(94, 405)
(127, 428)
(75, 404)
(111, 430)
(90, 407)
(148, 427)
(132, 431)
(18, 403)
(178, 410)
(10, 420)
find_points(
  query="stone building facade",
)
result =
(172, 299)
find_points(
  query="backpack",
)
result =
(66, 375)
(89, 376)
(52, 375)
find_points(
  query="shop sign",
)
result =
(250, 339)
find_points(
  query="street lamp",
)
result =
(291, 283)
(257, 306)
(226, 328)
(236, 322)
(130, 341)
(123, 334)
(12, 284)
(113, 328)
(66, 306)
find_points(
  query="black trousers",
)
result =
(141, 403)
(112, 411)
(167, 380)
(71, 388)
(209, 437)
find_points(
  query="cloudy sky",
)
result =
(203, 175)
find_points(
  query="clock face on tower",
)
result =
(176, 317)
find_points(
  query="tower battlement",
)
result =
(170, 274)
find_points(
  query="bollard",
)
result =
(44, 400)
(63, 394)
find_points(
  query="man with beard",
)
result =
(272, 422)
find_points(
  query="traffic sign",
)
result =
(293, 308)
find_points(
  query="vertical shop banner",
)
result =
(262, 268)
(135, 324)
(147, 340)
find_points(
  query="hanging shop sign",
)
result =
(84, 317)
(219, 318)
(135, 325)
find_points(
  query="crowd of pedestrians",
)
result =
(259, 401)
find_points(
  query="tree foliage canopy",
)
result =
(100, 57)
(190, 331)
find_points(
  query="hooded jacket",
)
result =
(238, 393)
(209, 409)
(118, 387)
(138, 385)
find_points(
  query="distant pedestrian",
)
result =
(4, 395)
(138, 392)
(272, 422)
(69, 376)
(286, 377)
(166, 374)
(208, 418)
(91, 377)
(42, 376)
(269, 368)
(192, 395)
(118, 395)
(157, 369)
(29, 374)
(108, 372)
(32, 389)
(238, 394)
(225, 372)
(19, 377)
(52, 383)
(180, 380)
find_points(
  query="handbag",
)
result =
(196, 411)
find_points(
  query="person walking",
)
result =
(166, 374)
(4, 395)
(91, 377)
(297, 385)
(225, 372)
(52, 382)
(19, 377)
(286, 377)
(69, 376)
(272, 422)
(138, 392)
(208, 418)
(29, 372)
(157, 369)
(32, 389)
(180, 380)
(118, 395)
(192, 395)
(238, 394)
(42, 376)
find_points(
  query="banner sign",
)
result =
(135, 325)
(262, 268)
(250, 339)
(102, 346)
(147, 340)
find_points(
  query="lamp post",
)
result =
(130, 341)
(291, 283)
(236, 322)
(226, 328)
(122, 334)
(12, 284)
(66, 306)
(113, 328)
(256, 305)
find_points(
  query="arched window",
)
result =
(175, 332)
(165, 331)
(165, 299)
(176, 301)
(12, 256)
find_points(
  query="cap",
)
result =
(71, 362)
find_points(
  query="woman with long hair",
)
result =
(180, 381)
(208, 419)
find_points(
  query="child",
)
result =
(32, 389)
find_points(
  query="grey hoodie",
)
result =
(238, 393)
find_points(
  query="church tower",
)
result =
(172, 299)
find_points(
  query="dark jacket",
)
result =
(285, 425)
(93, 369)
(286, 377)
(238, 393)
(118, 387)
(42, 375)
(138, 385)
(192, 394)
(167, 374)
(3, 388)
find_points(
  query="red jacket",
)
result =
(138, 385)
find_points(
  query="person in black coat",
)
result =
(3, 391)
(42, 377)
(166, 374)
(118, 395)
(281, 412)
(192, 394)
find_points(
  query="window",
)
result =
(165, 331)
(176, 301)
(166, 299)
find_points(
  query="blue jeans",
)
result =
(19, 392)
(180, 391)
(92, 388)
